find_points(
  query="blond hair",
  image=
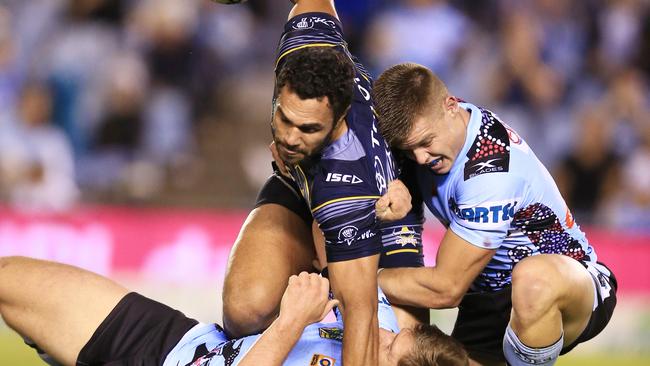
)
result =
(403, 92)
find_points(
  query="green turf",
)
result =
(603, 360)
(14, 352)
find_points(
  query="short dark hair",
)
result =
(401, 93)
(317, 72)
(434, 348)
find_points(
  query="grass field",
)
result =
(13, 352)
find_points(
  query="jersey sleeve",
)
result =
(343, 204)
(483, 207)
(309, 30)
(402, 239)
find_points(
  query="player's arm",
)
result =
(395, 204)
(310, 6)
(466, 248)
(457, 264)
(305, 301)
(355, 285)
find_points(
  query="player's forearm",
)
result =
(355, 286)
(360, 338)
(309, 6)
(274, 345)
(421, 287)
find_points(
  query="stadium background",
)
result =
(133, 133)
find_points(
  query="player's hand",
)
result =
(395, 203)
(278, 161)
(306, 299)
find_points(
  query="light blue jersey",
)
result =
(498, 195)
(321, 344)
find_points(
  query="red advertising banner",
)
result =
(178, 245)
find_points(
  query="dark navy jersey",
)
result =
(343, 183)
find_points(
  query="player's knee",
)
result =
(533, 288)
(249, 310)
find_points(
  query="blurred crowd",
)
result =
(168, 101)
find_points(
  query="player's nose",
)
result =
(421, 156)
(292, 137)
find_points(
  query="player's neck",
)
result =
(465, 115)
(340, 130)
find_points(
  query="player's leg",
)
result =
(57, 306)
(480, 325)
(552, 302)
(274, 243)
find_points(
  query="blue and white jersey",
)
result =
(498, 195)
(207, 344)
(352, 172)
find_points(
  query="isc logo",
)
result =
(345, 178)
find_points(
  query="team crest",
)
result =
(405, 236)
(335, 334)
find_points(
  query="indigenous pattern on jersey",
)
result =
(207, 344)
(498, 195)
(342, 185)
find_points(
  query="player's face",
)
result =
(301, 127)
(437, 138)
(392, 347)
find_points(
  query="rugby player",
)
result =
(535, 287)
(324, 132)
(75, 317)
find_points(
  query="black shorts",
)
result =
(138, 331)
(483, 318)
(283, 191)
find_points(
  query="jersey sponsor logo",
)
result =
(490, 151)
(486, 165)
(321, 360)
(304, 24)
(309, 22)
(495, 165)
(335, 334)
(348, 233)
(405, 236)
(383, 174)
(364, 92)
(344, 178)
(486, 214)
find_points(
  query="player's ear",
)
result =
(451, 104)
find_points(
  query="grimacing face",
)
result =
(394, 346)
(301, 127)
(436, 138)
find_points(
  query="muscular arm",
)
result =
(308, 6)
(355, 285)
(457, 264)
(305, 301)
